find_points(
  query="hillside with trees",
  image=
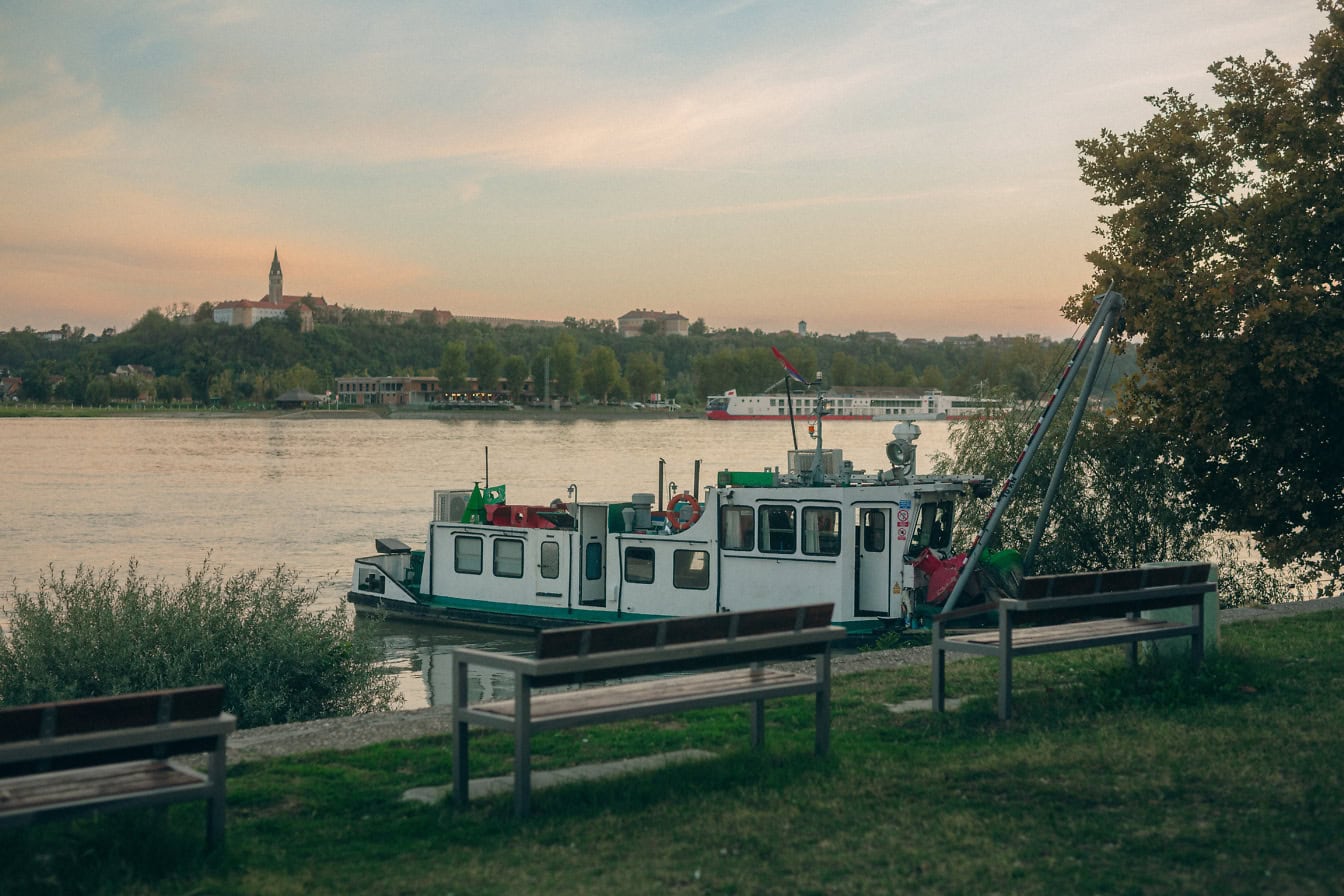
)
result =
(193, 358)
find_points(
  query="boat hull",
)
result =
(494, 619)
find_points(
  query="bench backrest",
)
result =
(80, 721)
(1110, 593)
(588, 640)
(692, 640)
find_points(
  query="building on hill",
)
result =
(246, 312)
(631, 323)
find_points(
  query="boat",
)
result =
(816, 528)
(878, 404)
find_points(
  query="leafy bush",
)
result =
(93, 633)
(1123, 501)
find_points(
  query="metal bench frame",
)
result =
(1027, 623)
(581, 655)
(102, 754)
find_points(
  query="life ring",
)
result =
(674, 511)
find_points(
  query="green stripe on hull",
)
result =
(855, 627)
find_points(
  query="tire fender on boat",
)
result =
(674, 510)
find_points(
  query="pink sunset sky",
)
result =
(906, 166)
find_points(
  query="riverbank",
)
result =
(354, 732)
(446, 413)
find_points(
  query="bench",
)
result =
(105, 753)
(1071, 612)
(723, 654)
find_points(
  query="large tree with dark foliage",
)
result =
(1225, 233)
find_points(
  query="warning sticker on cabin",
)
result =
(902, 533)
(902, 517)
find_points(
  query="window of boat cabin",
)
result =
(639, 566)
(933, 528)
(690, 569)
(550, 559)
(468, 552)
(778, 529)
(509, 558)
(821, 531)
(737, 528)
(874, 530)
(592, 561)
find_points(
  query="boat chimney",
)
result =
(642, 503)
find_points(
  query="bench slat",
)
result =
(647, 693)
(1092, 633)
(87, 785)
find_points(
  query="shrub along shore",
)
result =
(1109, 780)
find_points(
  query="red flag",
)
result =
(788, 368)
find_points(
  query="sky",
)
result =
(905, 166)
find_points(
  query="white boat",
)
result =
(816, 529)
(875, 404)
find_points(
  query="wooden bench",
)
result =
(1071, 612)
(106, 753)
(744, 641)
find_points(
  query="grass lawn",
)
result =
(1108, 780)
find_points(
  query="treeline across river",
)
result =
(180, 356)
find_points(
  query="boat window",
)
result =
(690, 569)
(821, 531)
(467, 554)
(777, 531)
(639, 566)
(933, 529)
(550, 560)
(509, 558)
(592, 561)
(874, 531)
(737, 528)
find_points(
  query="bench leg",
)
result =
(757, 724)
(1132, 648)
(522, 748)
(939, 667)
(461, 776)
(1005, 666)
(214, 806)
(823, 739)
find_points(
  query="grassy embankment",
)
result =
(1108, 781)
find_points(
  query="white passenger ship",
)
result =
(818, 529)
(890, 404)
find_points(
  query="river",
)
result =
(312, 492)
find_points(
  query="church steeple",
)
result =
(277, 279)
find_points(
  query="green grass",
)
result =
(1109, 780)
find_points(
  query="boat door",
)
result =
(874, 562)
(591, 564)
(554, 555)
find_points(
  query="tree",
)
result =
(485, 361)
(565, 365)
(601, 372)
(1226, 237)
(1120, 504)
(453, 365)
(644, 373)
(516, 371)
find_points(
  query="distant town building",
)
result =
(389, 390)
(669, 324)
(802, 328)
(246, 312)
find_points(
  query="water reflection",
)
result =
(420, 656)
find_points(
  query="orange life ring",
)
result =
(674, 510)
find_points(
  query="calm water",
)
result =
(313, 493)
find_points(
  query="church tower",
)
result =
(277, 279)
